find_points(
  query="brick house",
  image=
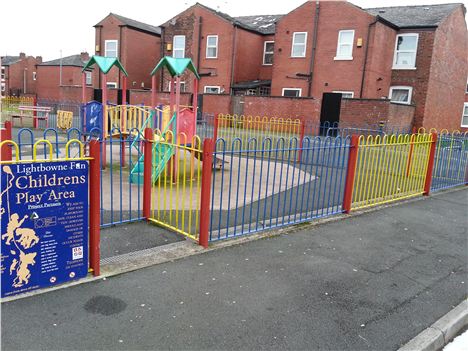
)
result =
(395, 52)
(61, 79)
(228, 51)
(136, 44)
(18, 74)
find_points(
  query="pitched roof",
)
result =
(264, 24)
(105, 64)
(8, 60)
(414, 16)
(135, 24)
(73, 60)
(176, 66)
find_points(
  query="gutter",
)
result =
(233, 58)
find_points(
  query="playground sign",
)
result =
(44, 224)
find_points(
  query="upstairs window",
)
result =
(406, 47)
(401, 95)
(110, 48)
(34, 75)
(178, 46)
(89, 78)
(344, 50)
(212, 46)
(299, 44)
(268, 51)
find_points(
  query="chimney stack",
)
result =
(84, 56)
(22, 55)
(38, 60)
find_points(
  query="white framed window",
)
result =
(210, 89)
(299, 44)
(464, 122)
(406, 47)
(466, 91)
(292, 92)
(344, 49)
(34, 75)
(178, 46)
(345, 94)
(3, 72)
(268, 51)
(110, 48)
(211, 46)
(401, 94)
(112, 85)
(3, 87)
(182, 86)
(89, 78)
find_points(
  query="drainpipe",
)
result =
(120, 55)
(314, 48)
(365, 58)
(233, 58)
(200, 22)
(161, 74)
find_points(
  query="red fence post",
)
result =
(350, 173)
(430, 165)
(94, 207)
(208, 150)
(5, 134)
(215, 132)
(147, 165)
(301, 140)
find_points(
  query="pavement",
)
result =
(370, 281)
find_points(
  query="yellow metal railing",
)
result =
(64, 119)
(230, 127)
(389, 168)
(125, 118)
(49, 154)
(175, 194)
(10, 104)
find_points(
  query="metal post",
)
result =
(350, 173)
(5, 134)
(83, 88)
(208, 149)
(94, 207)
(147, 171)
(430, 165)
(104, 120)
(216, 126)
(153, 91)
(301, 140)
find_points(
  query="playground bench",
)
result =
(31, 112)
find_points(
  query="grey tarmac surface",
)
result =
(369, 282)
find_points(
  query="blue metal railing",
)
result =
(451, 161)
(263, 185)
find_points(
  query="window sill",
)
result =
(404, 68)
(298, 56)
(400, 102)
(337, 58)
(267, 64)
(211, 58)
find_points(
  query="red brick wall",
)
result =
(140, 54)
(370, 112)
(48, 80)
(266, 71)
(449, 71)
(378, 73)
(249, 56)
(215, 104)
(144, 96)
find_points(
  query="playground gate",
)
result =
(175, 173)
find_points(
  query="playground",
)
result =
(230, 175)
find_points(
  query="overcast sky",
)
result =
(44, 27)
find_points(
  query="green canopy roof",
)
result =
(176, 66)
(105, 64)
